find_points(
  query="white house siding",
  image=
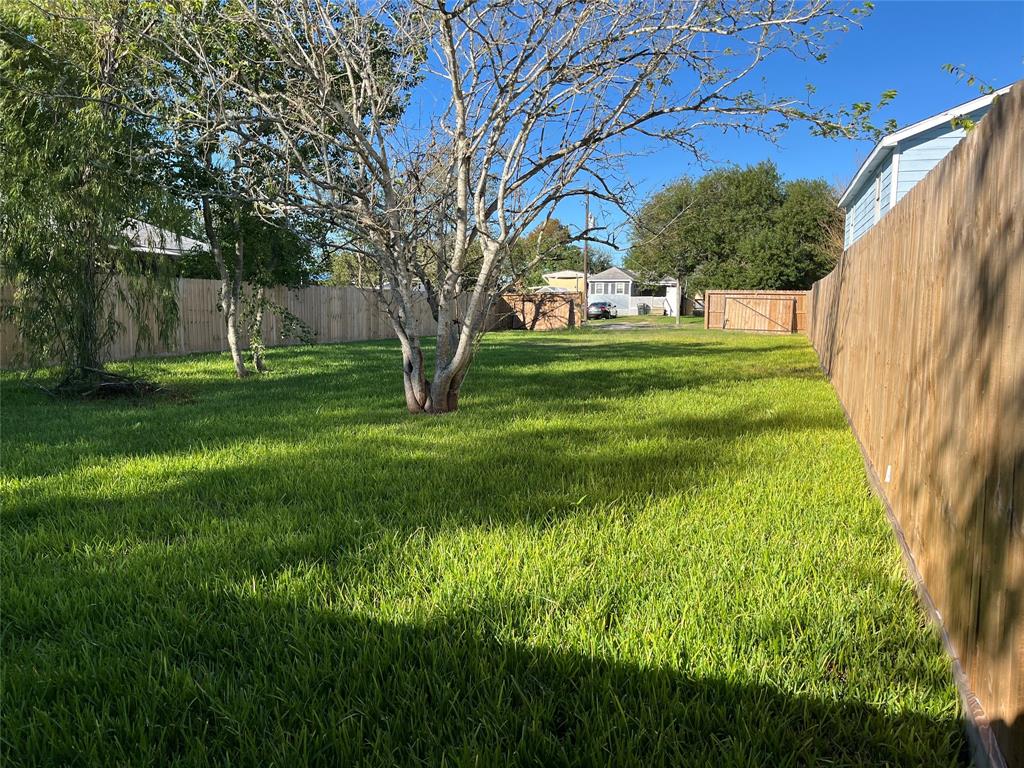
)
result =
(628, 304)
(659, 304)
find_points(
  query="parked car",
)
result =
(602, 310)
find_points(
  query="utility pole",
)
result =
(586, 256)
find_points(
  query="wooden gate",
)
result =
(768, 314)
(759, 311)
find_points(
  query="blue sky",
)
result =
(902, 45)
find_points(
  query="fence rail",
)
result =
(921, 329)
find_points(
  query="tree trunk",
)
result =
(231, 307)
(453, 352)
(417, 388)
(444, 392)
(452, 365)
(256, 336)
(87, 353)
(230, 286)
(680, 298)
(236, 296)
(422, 395)
(84, 357)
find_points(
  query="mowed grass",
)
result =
(643, 547)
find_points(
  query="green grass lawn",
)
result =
(646, 547)
(656, 320)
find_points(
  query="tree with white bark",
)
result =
(193, 105)
(432, 135)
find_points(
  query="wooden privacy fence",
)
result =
(763, 311)
(335, 313)
(921, 329)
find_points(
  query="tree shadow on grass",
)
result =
(220, 678)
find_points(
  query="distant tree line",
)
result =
(740, 228)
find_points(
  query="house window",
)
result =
(598, 287)
(878, 197)
(620, 287)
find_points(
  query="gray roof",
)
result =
(548, 289)
(614, 273)
(147, 238)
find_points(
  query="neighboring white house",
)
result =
(899, 161)
(619, 286)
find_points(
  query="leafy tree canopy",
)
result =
(547, 248)
(74, 175)
(740, 228)
(600, 260)
(274, 255)
(550, 248)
